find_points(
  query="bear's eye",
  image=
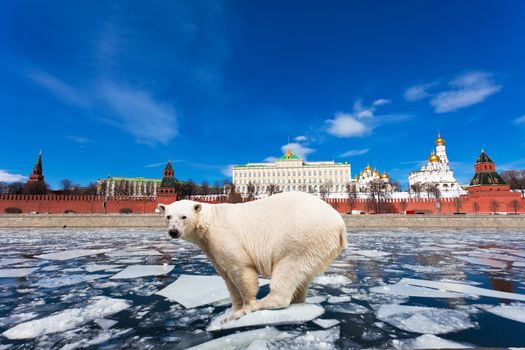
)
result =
(168, 217)
(183, 217)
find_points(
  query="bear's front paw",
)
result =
(235, 315)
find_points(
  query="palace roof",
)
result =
(488, 178)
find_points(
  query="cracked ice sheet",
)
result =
(424, 320)
(13, 261)
(496, 256)
(71, 254)
(294, 314)
(66, 280)
(515, 312)
(332, 280)
(428, 341)
(483, 261)
(463, 288)
(370, 253)
(15, 273)
(67, 319)
(195, 290)
(326, 323)
(414, 291)
(241, 340)
(134, 253)
(134, 271)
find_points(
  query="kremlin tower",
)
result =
(167, 186)
(37, 174)
(486, 178)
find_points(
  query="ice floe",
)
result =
(71, 254)
(15, 273)
(134, 253)
(241, 340)
(55, 282)
(294, 314)
(424, 320)
(318, 299)
(195, 290)
(105, 323)
(13, 261)
(350, 308)
(135, 271)
(326, 323)
(332, 280)
(67, 319)
(95, 268)
(428, 341)
(370, 253)
(463, 288)
(483, 261)
(401, 288)
(339, 299)
(515, 312)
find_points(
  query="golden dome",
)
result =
(433, 158)
(376, 172)
(384, 175)
(368, 167)
(440, 141)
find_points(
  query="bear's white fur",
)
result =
(289, 237)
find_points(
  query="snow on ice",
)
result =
(62, 281)
(135, 271)
(326, 323)
(294, 314)
(15, 273)
(241, 340)
(401, 288)
(515, 312)
(71, 254)
(95, 268)
(428, 341)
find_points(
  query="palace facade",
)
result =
(436, 173)
(291, 173)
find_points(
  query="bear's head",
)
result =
(182, 218)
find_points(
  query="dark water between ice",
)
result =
(155, 322)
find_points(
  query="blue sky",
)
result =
(118, 87)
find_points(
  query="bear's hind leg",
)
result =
(246, 281)
(300, 293)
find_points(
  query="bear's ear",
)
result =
(161, 208)
(197, 207)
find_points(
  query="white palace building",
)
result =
(290, 173)
(437, 172)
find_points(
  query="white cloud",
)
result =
(354, 152)
(417, 92)
(345, 125)
(6, 176)
(227, 170)
(520, 120)
(59, 88)
(149, 121)
(466, 90)
(79, 139)
(270, 159)
(381, 101)
(300, 138)
(301, 150)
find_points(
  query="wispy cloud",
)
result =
(300, 138)
(59, 88)
(520, 120)
(227, 170)
(270, 159)
(161, 164)
(463, 91)
(138, 113)
(346, 125)
(6, 176)
(79, 139)
(354, 152)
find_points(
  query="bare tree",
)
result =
(516, 205)
(515, 179)
(15, 188)
(4, 188)
(233, 196)
(205, 188)
(90, 189)
(324, 191)
(67, 186)
(351, 191)
(494, 206)
(377, 193)
(396, 186)
(416, 188)
(458, 203)
(272, 189)
(250, 191)
(38, 188)
(475, 207)
(432, 190)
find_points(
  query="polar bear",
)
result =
(289, 237)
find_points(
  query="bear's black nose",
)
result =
(174, 233)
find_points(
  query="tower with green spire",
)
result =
(37, 175)
(167, 186)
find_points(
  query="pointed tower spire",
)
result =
(38, 174)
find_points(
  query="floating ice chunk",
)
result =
(496, 256)
(428, 341)
(463, 288)
(339, 299)
(315, 340)
(258, 344)
(424, 320)
(515, 312)
(423, 269)
(483, 261)
(15, 273)
(518, 264)
(414, 291)
(192, 291)
(105, 323)
(66, 280)
(294, 314)
(326, 323)
(135, 271)
(95, 268)
(13, 261)
(318, 299)
(351, 308)
(71, 254)
(332, 280)
(515, 252)
(240, 340)
(67, 319)
(370, 253)
(134, 253)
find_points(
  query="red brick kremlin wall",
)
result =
(95, 205)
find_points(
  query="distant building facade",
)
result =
(291, 173)
(437, 172)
